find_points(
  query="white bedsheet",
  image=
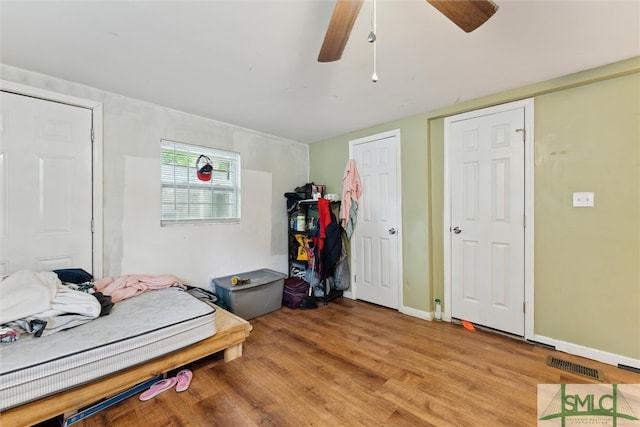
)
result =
(25, 295)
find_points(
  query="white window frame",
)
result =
(185, 199)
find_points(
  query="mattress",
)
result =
(138, 329)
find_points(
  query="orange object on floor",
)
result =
(468, 326)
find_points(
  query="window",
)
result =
(188, 199)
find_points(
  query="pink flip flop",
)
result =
(159, 387)
(184, 379)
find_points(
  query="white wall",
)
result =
(134, 242)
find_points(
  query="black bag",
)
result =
(295, 290)
(306, 189)
(202, 294)
(73, 275)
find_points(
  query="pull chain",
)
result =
(372, 39)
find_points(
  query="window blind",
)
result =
(186, 198)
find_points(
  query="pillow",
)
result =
(73, 275)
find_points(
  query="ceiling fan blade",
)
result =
(342, 20)
(466, 14)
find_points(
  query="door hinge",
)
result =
(524, 307)
(93, 226)
(93, 135)
(524, 221)
(524, 133)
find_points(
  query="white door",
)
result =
(376, 244)
(46, 188)
(487, 196)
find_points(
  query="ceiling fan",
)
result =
(466, 14)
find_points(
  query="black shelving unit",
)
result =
(308, 210)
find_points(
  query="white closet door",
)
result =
(46, 188)
(376, 240)
(486, 164)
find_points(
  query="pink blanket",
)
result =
(122, 287)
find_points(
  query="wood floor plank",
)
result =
(355, 364)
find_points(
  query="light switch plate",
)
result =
(583, 200)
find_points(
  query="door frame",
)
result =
(527, 104)
(395, 134)
(96, 153)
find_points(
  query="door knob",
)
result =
(392, 231)
(457, 230)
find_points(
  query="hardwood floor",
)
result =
(355, 364)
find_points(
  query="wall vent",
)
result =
(575, 368)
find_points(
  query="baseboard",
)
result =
(425, 315)
(541, 344)
(629, 368)
(413, 312)
(589, 353)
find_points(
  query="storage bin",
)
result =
(261, 295)
(295, 291)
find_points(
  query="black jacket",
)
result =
(327, 253)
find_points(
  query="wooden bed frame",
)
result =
(231, 334)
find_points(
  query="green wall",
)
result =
(587, 282)
(586, 260)
(328, 159)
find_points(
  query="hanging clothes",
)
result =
(351, 192)
(341, 274)
(327, 240)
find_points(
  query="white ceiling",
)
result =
(253, 63)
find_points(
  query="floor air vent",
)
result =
(575, 368)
